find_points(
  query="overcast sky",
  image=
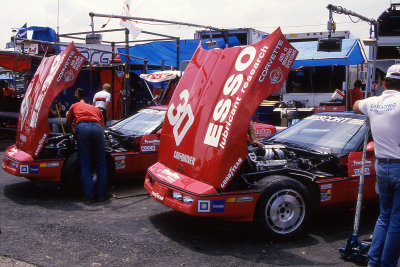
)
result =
(265, 15)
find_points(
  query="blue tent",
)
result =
(166, 50)
(308, 56)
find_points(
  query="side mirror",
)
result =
(371, 147)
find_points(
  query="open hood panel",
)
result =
(204, 133)
(53, 75)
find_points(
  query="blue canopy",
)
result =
(166, 50)
(308, 56)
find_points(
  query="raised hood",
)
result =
(53, 75)
(204, 133)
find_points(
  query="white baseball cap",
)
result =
(393, 72)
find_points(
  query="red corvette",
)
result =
(131, 143)
(205, 167)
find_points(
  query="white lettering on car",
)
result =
(157, 196)
(184, 158)
(183, 112)
(235, 86)
(231, 172)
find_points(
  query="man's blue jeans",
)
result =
(91, 151)
(385, 247)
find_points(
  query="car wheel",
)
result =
(71, 173)
(283, 208)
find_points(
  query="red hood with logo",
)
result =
(53, 75)
(204, 132)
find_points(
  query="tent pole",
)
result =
(112, 77)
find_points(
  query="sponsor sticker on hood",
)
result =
(53, 75)
(210, 111)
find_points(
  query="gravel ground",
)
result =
(42, 227)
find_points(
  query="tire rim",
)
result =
(285, 211)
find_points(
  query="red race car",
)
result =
(131, 143)
(205, 167)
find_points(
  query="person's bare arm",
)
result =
(356, 108)
(252, 135)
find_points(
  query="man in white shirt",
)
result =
(384, 115)
(102, 100)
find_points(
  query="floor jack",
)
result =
(356, 250)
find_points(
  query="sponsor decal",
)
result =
(41, 143)
(287, 57)
(326, 192)
(69, 76)
(120, 164)
(22, 137)
(235, 88)
(218, 206)
(12, 151)
(169, 175)
(154, 142)
(52, 164)
(382, 108)
(184, 158)
(357, 172)
(231, 173)
(276, 76)
(336, 119)
(33, 169)
(359, 163)
(271, 60)
(203, 206)
(148, 148)
(183, 113)
(157, 196)
(119, 158)
(24, 169)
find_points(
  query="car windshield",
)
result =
(324, 133)
(143, 122)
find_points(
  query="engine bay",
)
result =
(277, 156)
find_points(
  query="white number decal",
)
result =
(183, 112)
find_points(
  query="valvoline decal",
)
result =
(211, 108)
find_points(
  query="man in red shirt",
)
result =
(354, 95)
(90, 139)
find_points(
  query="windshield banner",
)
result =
(53, 75)
(204, 133)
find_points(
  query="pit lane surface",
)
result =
(42, 227)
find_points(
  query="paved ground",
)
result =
(42, 227)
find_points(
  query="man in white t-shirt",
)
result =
(384, 115)
(102, 100)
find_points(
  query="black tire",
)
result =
(283, 208)
(70, 174)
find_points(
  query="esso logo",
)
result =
(182, 113)
(232, 85)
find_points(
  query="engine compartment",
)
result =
(275, 157)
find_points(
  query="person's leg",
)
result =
(100, 160)
(83, 137)
(391, 251)
(382, 224)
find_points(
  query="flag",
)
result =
(134, 31)
(22, 32)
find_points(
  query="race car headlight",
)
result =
(187, 199)
(177, 195)
(13, 164)
(181, 197)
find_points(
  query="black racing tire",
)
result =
(283, 208)
(70, 174)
